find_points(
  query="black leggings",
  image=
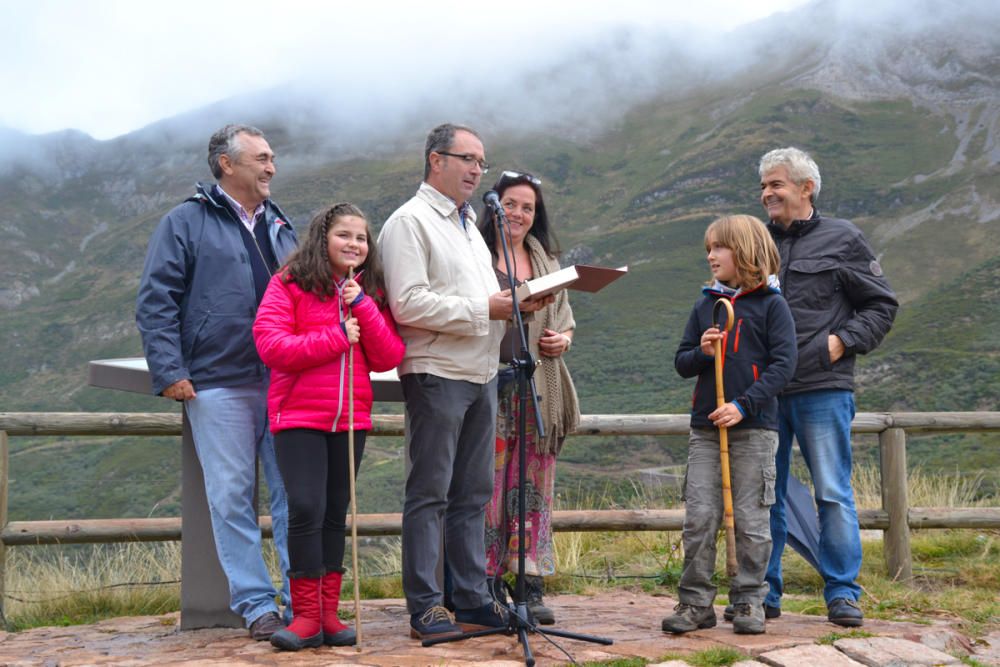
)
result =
(314, 468)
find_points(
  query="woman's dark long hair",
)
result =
(309, 267)
(540, 228)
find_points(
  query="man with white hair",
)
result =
(842, 306)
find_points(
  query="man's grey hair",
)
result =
(800, 166)
(225, 142)
(440, 139)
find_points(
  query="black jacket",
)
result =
(834, 285)
(759, 357)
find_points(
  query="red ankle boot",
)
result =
(335, 633)
(306, 628)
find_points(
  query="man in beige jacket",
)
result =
(451, 313)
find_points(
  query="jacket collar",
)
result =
(797, 228)
(207, 194)
(444, 205)
(718, 289)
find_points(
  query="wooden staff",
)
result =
(351, 480)
(720, 400)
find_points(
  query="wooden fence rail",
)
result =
(896, 517)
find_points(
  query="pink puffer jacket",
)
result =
(300, 339)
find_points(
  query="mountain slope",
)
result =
(903, 117)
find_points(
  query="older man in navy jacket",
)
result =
(207, 266)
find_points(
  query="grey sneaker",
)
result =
(769, 612)
(688, 617)
(748, 619)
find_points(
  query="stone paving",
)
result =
(631, 619)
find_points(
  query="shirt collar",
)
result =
(245, 217)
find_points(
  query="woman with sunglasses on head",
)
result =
(549, 330)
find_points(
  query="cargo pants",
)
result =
(752, 472)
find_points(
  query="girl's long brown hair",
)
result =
(754, 253)
(309, 266)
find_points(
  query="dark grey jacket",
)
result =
(834, 285)
(196, 303)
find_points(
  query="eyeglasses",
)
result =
(521, 176)
(467, 159)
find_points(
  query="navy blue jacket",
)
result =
(196, 303)
(834, 285)
(759, 357)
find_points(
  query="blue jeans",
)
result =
(230, 431)
(821, 422)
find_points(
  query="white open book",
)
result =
(579, 277)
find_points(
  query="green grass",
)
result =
(712, 657)
(956, 572)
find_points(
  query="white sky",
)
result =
(108, 67)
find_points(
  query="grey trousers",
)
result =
(452, 428)
(752, 472)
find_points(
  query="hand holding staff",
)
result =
(351, 479)
(720, 400)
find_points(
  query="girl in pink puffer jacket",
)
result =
(310, 316)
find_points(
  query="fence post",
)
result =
(896, 503)
(4, 478)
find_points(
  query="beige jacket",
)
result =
(439, 278)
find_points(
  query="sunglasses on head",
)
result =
(521, 176)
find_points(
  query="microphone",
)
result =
(492, 199)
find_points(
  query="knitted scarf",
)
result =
(560, 407)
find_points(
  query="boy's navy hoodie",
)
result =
(759, 356)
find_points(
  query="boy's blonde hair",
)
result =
(754, 253)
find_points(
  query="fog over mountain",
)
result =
(577, 84)
(69, 196)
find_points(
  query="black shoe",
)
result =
(266, 625)
(845, 612)
(490, 615)
(729, 613)
(432, 623)
(533, 587)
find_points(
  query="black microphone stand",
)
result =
(519, 620)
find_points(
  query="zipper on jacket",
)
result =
(343, 363)
(756, 374)
(736, 341)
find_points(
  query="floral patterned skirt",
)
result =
(502, 511)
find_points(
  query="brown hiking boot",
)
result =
(688, 617)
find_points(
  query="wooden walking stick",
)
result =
(351, 480)
(720, 400)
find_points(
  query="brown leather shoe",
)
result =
(265, 626)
